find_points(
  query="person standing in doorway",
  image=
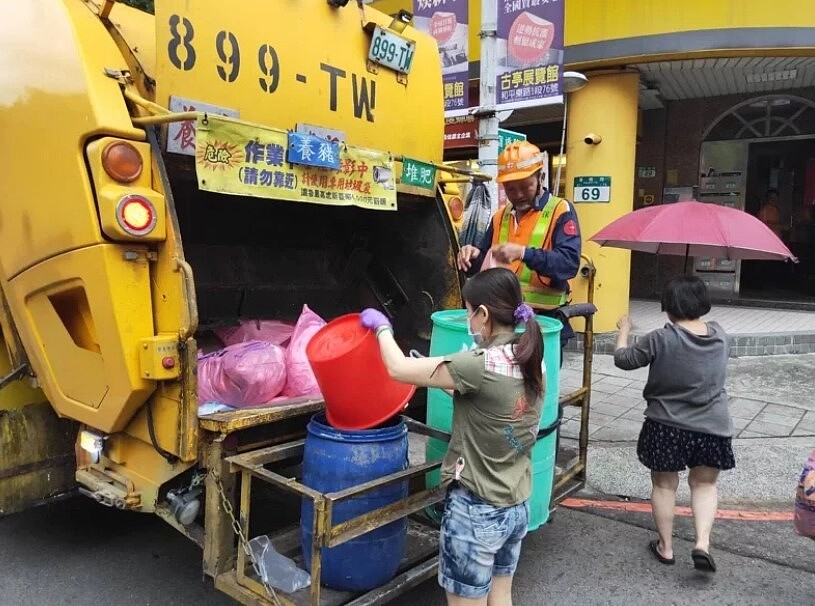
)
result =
(770, 213)
(687, 421)
(536, 235)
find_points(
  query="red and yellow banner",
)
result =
(241, 159)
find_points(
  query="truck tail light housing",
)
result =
(130, 205)
(136, 215)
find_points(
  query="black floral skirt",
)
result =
(665, 448)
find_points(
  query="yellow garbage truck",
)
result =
(117, 262)
(165, 176)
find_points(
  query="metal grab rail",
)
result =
(325, 533)
(191, 299)
(573, 478)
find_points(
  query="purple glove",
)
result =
(374, 319)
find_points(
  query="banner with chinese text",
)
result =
(460, 132)
(181, 135)
(530, 52)
(418, 174)
(249, 160)
(447, 21)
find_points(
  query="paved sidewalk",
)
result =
(773, 411)
(784, 408)
(647, 316)
(753, 331)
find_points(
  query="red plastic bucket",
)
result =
(358, 392)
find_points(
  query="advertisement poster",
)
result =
(447, 21)
(249, 160)
(530, 52)
(460, 132)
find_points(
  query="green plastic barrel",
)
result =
(450, 336)
(434, 451)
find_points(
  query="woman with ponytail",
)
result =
(497, 398)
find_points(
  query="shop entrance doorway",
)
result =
(780, 191)
(759, 156)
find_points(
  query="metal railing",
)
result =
(325, 532)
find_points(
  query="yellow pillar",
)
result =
(607, 108)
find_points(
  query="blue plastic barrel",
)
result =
(335, 459)
(450, 336)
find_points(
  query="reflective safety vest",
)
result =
(536, 290)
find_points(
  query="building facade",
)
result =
(707, 99)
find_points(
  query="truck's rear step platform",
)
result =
(419, 564)
(244, 418)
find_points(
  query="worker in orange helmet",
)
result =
(536, 234)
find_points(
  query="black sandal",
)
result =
(654, 547)
(702, 560)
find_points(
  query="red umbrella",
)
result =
(695, 229)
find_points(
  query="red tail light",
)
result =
(136, 215)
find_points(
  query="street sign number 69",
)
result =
(592, 194)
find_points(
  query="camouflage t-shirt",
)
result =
(494, 427)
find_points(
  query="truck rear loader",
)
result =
(120, 258)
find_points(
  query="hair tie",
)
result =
(523, 313)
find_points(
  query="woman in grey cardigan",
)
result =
(687, 422)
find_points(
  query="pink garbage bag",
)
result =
(272, 331)
(804, 517)
(244, 374)
(300, 378)
(210, 376)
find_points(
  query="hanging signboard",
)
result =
(529, 53)
(181, 135)
(250, 160)
(309, 150)
(505, 137)
(460, 132)
(418, 174)
(448, 22)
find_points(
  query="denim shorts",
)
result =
(478, 541)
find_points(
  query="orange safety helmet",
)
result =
(519, 160)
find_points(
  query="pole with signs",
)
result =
(488, 120)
